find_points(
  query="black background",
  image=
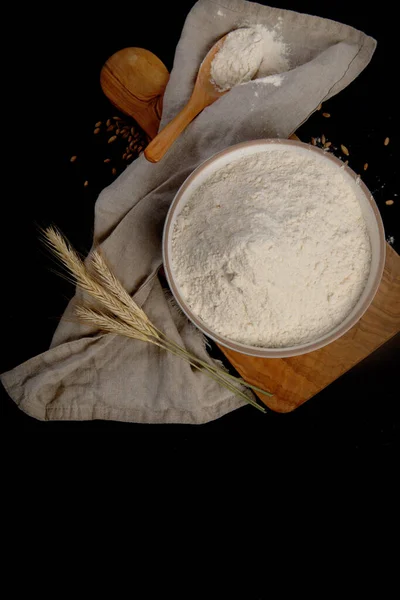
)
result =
(54, 101)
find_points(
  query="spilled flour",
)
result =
(247, 52)
(272, 249)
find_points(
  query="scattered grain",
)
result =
(73, 158)
(365, 166)
(386, 142)
(344, 150)
(326, 115)
(389, 202)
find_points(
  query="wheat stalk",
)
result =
(109, 323)
(122, 316)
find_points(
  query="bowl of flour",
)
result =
(273, 248)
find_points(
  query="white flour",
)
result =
(246, 52)
(272, 250)
(275, 80)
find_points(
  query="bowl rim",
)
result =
(259, 351)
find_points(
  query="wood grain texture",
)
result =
(295, 380)
(134, 80)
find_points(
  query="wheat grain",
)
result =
(74, 264)
(344, 150)
(108, 323)
(107, 278)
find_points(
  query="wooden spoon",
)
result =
(134, 80)
(204, 94)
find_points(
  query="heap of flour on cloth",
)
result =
(250, 52)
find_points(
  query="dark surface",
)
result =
(59, 98)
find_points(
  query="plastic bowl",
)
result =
(370, 213)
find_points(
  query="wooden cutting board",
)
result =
(297, 379)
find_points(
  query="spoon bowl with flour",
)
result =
(235, 59)
(238, 60)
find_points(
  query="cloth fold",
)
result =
(87, 375)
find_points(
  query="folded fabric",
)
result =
(87, 375)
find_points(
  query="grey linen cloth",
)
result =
(87, 375)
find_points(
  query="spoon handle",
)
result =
(164, 140)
